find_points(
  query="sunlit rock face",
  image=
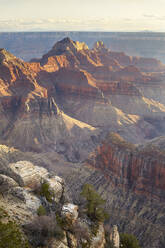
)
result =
(75, 88)
(72, 82)
(27, 94)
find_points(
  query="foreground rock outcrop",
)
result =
(18, 183)
(36, 200)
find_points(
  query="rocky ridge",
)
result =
(18, 184)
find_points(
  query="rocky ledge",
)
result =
(35, 199)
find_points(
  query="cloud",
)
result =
(154, 17)
(147, 21)
(51, 24)
(150, 16)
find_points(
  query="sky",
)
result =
(82, 15)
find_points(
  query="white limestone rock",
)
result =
(70, 212)
(25, 173)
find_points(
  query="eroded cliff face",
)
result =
(140, 170)
(104, 88)
(136, 176)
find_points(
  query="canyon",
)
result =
(92, 115)
(147, 44)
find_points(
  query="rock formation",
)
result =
(147, 44)
(70, 212)
(22, 196)
(74, 81)
(18, 181)
(114, 237)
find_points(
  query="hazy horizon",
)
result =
(105, 15)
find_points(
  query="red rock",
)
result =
(139, 170)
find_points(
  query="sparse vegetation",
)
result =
(128, 241)
(41, 211)
(47, 192)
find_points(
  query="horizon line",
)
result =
(81, 31)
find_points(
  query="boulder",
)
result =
(26, 174)
(70, 212)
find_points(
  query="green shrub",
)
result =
(128, 241)
(95, 211)
(11, 236)
(41, 211)
(46, 192)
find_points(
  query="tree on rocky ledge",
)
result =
(94, 204)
